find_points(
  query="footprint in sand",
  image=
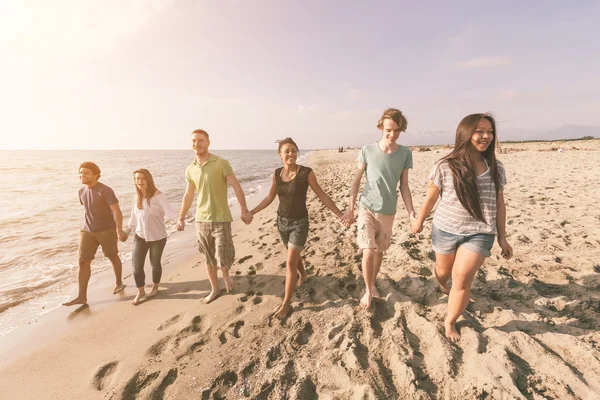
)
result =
(137, 383)
(272, 356)
(241, 260)
(235, 333)
(102, 377)
(169, 322)
(257, 299)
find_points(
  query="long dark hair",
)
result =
(150, 190)
(463, 168)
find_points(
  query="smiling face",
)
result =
(288, 154)
(390, 131)
(140, 181)
(483, 135)
(200, 143)
(87, 177)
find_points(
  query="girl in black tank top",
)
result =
(290, 184)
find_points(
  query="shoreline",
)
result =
(532, 330)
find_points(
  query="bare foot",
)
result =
(451, 332)
(229, 284)
(301, 278)
(118, 288)
(154, 290)
(443, 285)
(76, 301)
(365, 302)
(213, 295)
(283, 311)
(375, 292)
(138, 298)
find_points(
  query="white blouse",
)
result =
(149, 222)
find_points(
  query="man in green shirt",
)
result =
(209, 175)
(385, 164)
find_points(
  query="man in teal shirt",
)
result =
(209, 175)
(385, 164)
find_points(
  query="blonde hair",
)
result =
(395, 115)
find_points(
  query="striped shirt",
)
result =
(450, 216)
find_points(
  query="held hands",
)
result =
(122, 235)
(347, 218)
(415, 226)
(180, 224)
(507, 251)
(247, 217)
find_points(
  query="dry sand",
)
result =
(531, 333)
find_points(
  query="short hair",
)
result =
(91, 166)
(286, 141)
(201, 132)
(395, 115)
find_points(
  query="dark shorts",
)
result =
(447, 243)
(89, 242)
(215, 241)
(293, 232)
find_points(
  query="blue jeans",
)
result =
(447, 243)
(140, 249)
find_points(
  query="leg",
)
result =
(368, 267)
(156, 250)
(229, 284)
(118, 269)
(206, 246)
(466, 265)
(302, 275)
(211, 271)
(88, 244)
(290, 281)
(443, 270)
(108, 240)
(378, 258)
(138, 259)
(83, 277)
(225, 251)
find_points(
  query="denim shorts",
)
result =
(293, 232)
(448, 243)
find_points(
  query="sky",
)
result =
(128, 74)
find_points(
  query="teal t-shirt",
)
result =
(383, 172)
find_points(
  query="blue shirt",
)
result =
(383, 172)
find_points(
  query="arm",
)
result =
(118, 216)
(186, 203)
(170, 214)
(406, 196)
(267, 200)
(314, 185)
(241, 197)
(507, 250)
(433, 192)
(349, 214)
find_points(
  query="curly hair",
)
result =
(395, 115)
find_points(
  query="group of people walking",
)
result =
(470, 215)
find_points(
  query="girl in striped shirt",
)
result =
(470, 182)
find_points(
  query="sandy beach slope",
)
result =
(532, 331)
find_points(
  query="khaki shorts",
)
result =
(374, 230)
(216, 243)
(89, 242)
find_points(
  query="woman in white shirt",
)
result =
(148, 213)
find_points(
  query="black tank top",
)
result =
(292, 194)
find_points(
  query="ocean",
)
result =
(40, 214)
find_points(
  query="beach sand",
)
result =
(532, 331)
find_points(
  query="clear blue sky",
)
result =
(119, 74)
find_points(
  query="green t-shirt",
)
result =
(383, 172)
(210, 180)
